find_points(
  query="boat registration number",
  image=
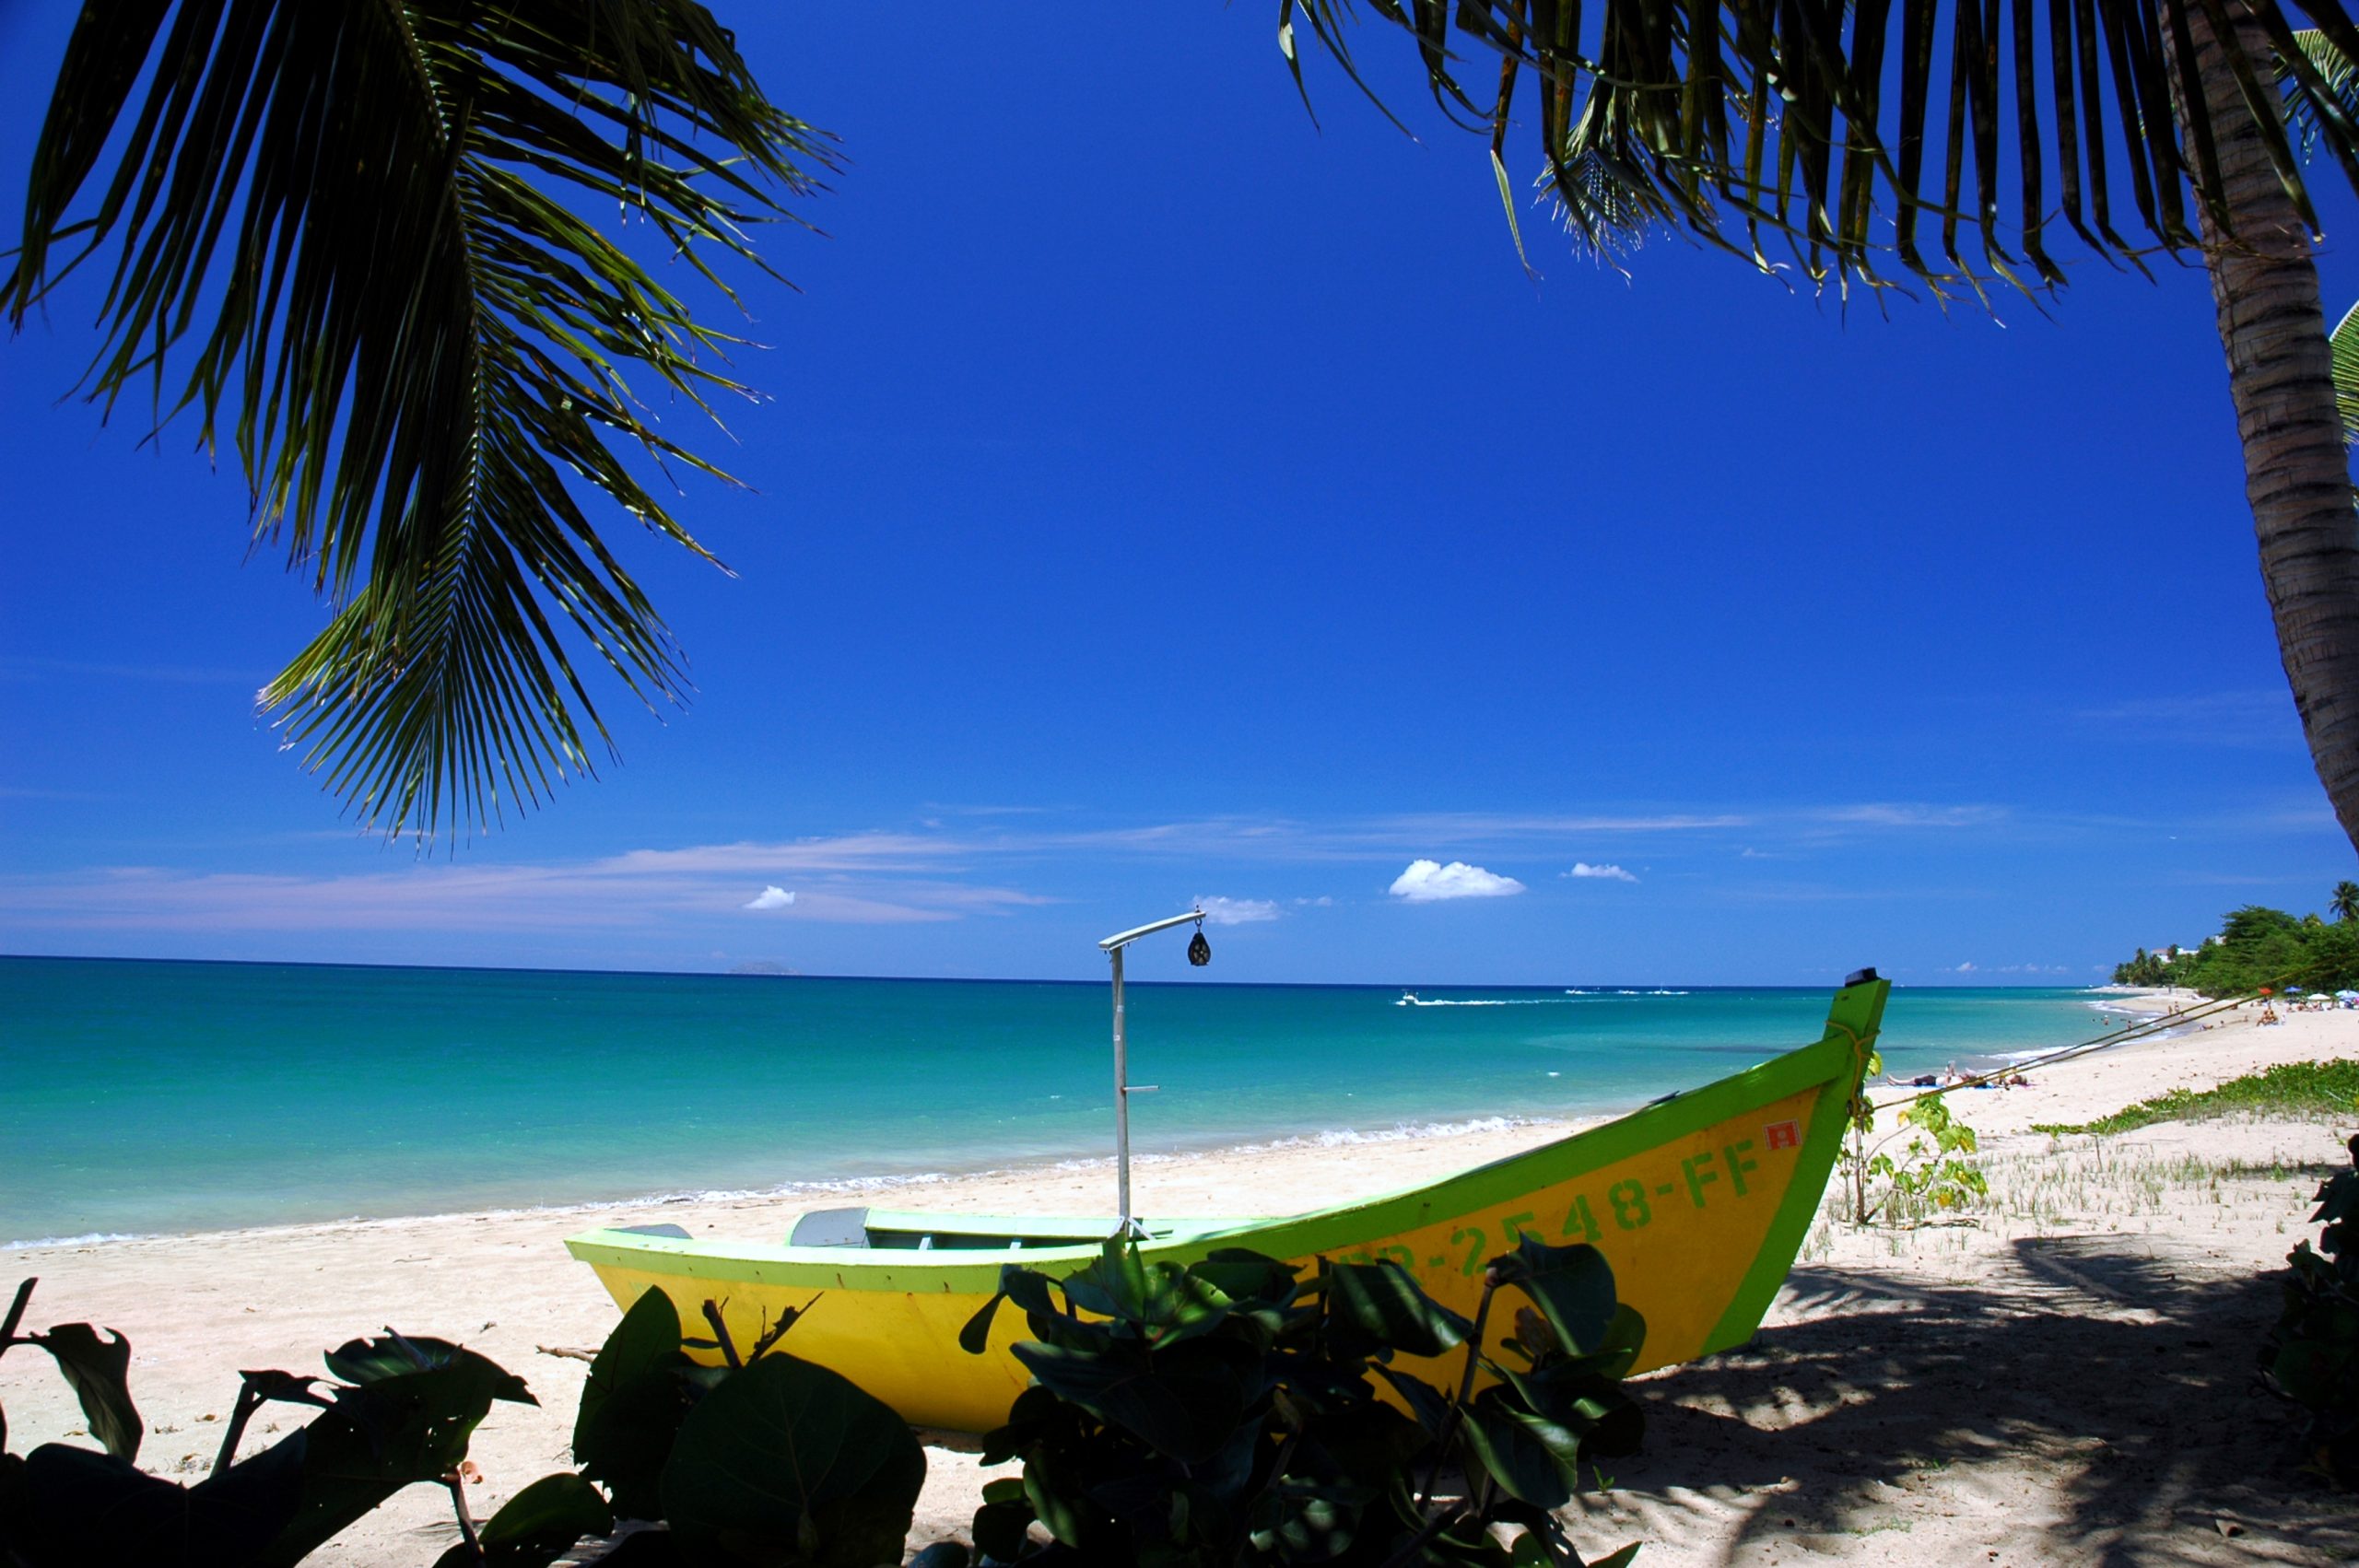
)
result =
(1705, 1178)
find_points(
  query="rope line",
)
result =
(2153, 1026)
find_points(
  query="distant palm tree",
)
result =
(2344, 905)
(346, 221)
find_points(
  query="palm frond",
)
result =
(2343, 343)
(2336, 80)
(342, 232)
(1740, 118)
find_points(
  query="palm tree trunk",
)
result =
(2265, 286)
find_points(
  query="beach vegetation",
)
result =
(2257, 947)
(1924, 1168)
(716, 1453)
(2311, 1357)
(1233, 1411)
(2289, 1089)
(396, 1411)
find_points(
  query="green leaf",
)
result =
(99, 1371)
(1382, 1302)
(942, 1554)
(1028, 1288)
(1000, 1524)
(1248, 1279)
(77, 1508)
(1186, 1401)
(398, 1429)
(1165, 1301)
(1572, 1286)
(363, 1361)
(1534, 1460)
(1426, 1402)
(1061, 1503)
(785, 1459)
(541, 1523)
(632, 1406)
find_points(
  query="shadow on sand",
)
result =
(2095, 1403)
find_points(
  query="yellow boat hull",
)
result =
(1700, 1201)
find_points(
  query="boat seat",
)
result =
(674, 1231)
(830, 1227)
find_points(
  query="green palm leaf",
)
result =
(1839, 127)
(343, 225)
(2343, 343)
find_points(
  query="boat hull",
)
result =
(1700, 1201)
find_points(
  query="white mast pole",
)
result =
(1124, 1088)
(1121, 1107)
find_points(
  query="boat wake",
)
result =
(1478, 1001)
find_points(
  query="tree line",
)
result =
(2257, 947)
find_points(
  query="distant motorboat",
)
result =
(1408, 999)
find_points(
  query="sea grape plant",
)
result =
(1933, 1172)
(764, 1459)
(1233, 1411)
(712, 1455)
(2311, 1357)
(397, 1411)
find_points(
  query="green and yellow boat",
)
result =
(1700, 1200)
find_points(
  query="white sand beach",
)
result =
(2064, 1376)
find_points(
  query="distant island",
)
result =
(769, 966)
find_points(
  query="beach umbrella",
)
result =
(2346, 996)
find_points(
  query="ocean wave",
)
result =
(88, 1238)
(1345, 1137)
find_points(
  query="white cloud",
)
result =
(1237, 911)
(1430, 882)
(1322, 902)
(1910, 814)
(771, 898)
(1610, 873)
(1967, 968)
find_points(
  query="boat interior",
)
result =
(902, 1229)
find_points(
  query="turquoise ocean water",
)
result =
(138, 1097)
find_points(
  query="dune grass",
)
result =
(2291, 1089)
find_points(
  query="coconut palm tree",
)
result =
(1756, 126)
(2344, 905)
(344, 219)
(342, 226)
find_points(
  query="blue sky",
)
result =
(1160, 498)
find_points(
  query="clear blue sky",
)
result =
(1160, 498)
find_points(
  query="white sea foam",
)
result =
(1344, 1137)
(88, 1238)
(1480, 1002)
